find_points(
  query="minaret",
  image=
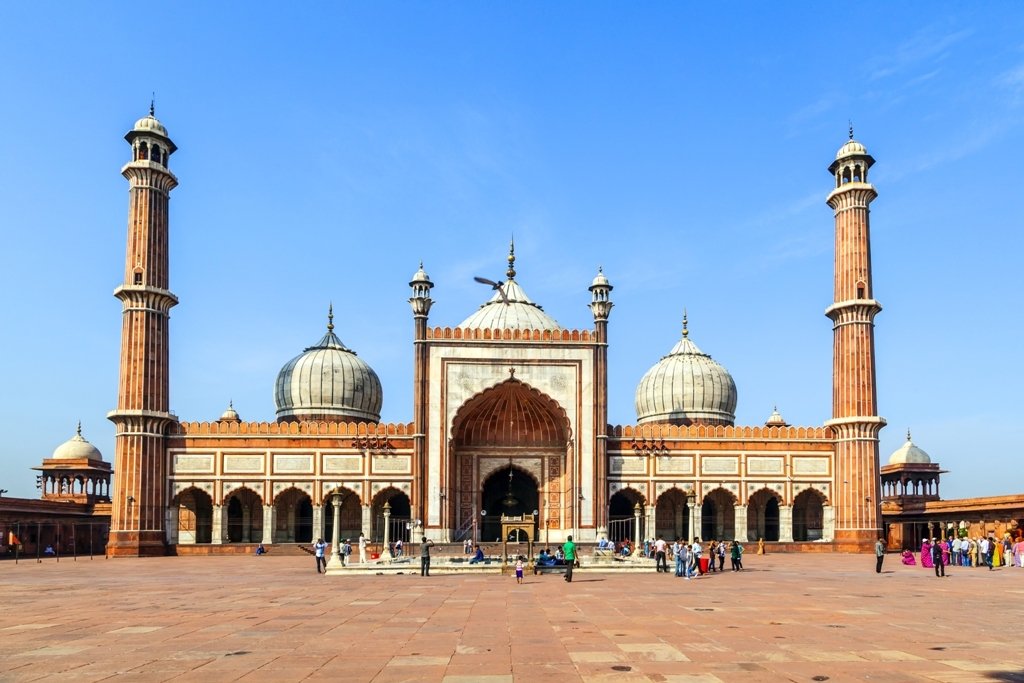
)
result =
(142, 417)
(601, 306)
(855, 421)
(421, 303)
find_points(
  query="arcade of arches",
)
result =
(718, 516)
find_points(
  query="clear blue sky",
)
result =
(325, 150)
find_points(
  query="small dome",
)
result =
(420, 276)
(230, 415)
(686, 387)
(775, 419)
(77, 448)
(150, 124)
(327, 381)
(851, 148)
(909, 454)
(510, 308)
(600, 280)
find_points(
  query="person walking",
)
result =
(425, 556)
(879, 555)
(735, 551)
(362, 548)
(660, 563)
(519, 569)
(318, 552)
(569, 552)
(678, 553)
(940, 567)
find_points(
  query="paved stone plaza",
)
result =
(788, 618)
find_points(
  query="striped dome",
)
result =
(686, 387)
(327, 381)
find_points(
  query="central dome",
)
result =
(327, 381)
(509, 308)
(686, 387)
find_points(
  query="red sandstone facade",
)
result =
(507, 419)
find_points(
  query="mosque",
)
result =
(509, 421)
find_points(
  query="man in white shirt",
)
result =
(660, 563)
(697, 551)
(362, 548)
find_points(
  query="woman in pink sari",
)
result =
(926, 554)
(945, 552)
(908, 558)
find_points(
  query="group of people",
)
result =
(688, 557)
(980, 551)
(320, 549)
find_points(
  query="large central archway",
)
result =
(510, 428)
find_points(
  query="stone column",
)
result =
(336, 561)
(828, 531)
(318, 522)
(649, 524)
(217, 532)
(367, 522)
(637, 547)
(172, 524)
(690, 531)
(786, 523)
(697, 523)
(269, 521)
(740, 527)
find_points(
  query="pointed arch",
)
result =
(718, 515)
(511, 412)
(350, 520)
(195, 516)
(294, 518)
(672, 515)
(809, 515)
(763, 514)
(245, 515)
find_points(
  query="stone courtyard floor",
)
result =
(786, 618)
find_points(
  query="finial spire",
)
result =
(908, 433)
(686, 332)
(511, 272)
(79, 430)
(330, 317)
(152, 105)
(851, 129)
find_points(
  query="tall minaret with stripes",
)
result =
(855, 421)
(142, 417)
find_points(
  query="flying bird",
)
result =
(494, 285)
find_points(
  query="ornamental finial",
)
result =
(79, 430)
(511, 272)
(152, 105)
(686, 332)
(330, 317)
(908, 433)
(851, 129)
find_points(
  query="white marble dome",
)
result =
(909, 454)
(150, 124)
(851, 148)
(686, 387)
(77, 448)
(327, 381)
(510, 308)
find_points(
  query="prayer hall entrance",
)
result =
(510, 454)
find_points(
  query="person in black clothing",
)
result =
(425, 556)
(940, 569)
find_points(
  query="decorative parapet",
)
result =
(364, 429)
(473, 334)
(657, 432)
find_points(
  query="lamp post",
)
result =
(336, 560)
(691, 502)
(385, 554)
(636, 530)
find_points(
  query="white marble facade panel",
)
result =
(342, 464)
(249, 463)
(808, 466)
(192, 463)
(293, 463)
(391, 464)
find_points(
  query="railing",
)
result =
(464, 531)
(56, 538)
